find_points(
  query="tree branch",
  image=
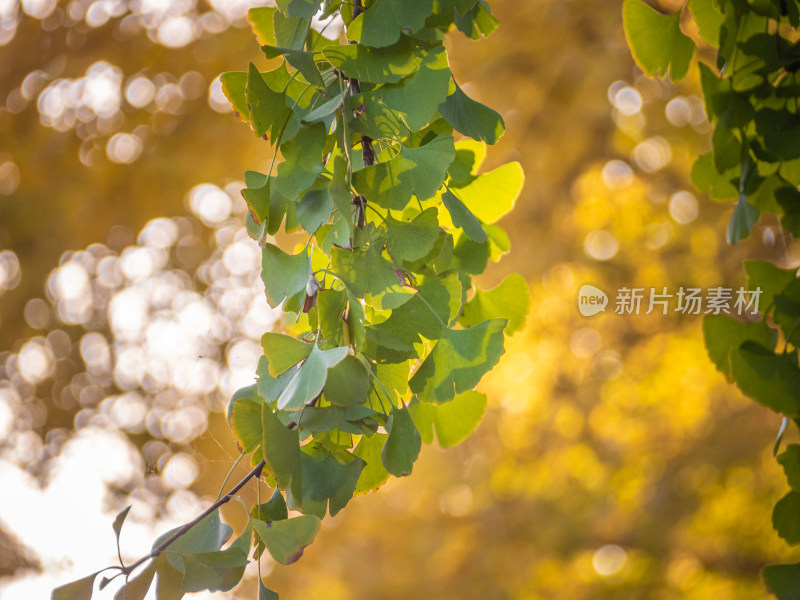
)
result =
(367, 154)
(255, 472)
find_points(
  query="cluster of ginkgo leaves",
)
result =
(385, 336)
(752, 94)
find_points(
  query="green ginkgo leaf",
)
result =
(267, 108)
(419, 171)
(281, 450)
(375, 65)
(283, 351)
(80, 589)
(309, 380)
(492, 195)
(380, 25)
(458, 361)
(373, 474)
(453, 421)
(509, 300)
(283, 274)
(298, 8)
(784, 517)
(472, 118)
(772, 380)
(656, 41)
(287, 539)
(261, 19)
(782, 580)
(403, 444)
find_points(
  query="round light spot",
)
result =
(585, 342)
(217, 99)
(652, 154)
(628, 101)
(124, 148)
(678, 112)
(140, 91)
(9, 178)
(10, 272)
(35, 362)
(683, 207)
(176, 32)
(38, 9)
(70, 281)
(600, 245)
(210, 204)
(609, 560)
(180, 471)
(159, 233)
(617, 174)
(37, 313)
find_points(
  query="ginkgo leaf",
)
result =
(770, 379)
(509, 300)
(380, 25)
(458, 361)
(463, 218)
(492, 195)
(287, 539)
(742, 220)
(302, 161)
(220, 570)
(374, 474)
(723, 334)
(413, 239)
(790, 461)
(300, 60)
(472, 118)
(364, 271)
(784, 517)
(314, 209)
(309, 380)
(273, 509)
(656, 41)
(375, 65)
(261, 21)
(290, 32)
(264, 593)
(298, 8)
(137, 588)
(267, 108)
(419, 171)
(283, 274)
(403, 444)
(281, 450)
(392, 109)
(283, 351)
(782, 580)
(244, 417)
(347, 383)
(453, 421)
(328, 484)
(234, 86)
(768, 278)
(80, 589)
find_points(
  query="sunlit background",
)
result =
(614, 462)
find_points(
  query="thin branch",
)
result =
(256, 472)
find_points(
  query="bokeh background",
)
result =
(614, 462)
